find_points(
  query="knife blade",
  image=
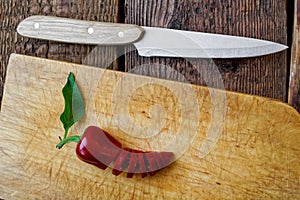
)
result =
(149, 41)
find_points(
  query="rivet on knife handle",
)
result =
(96, 33)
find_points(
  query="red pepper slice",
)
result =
(157, 160)
(141, 163)
(133, 163)
(166, 158)
(151, 163)
(122, 161)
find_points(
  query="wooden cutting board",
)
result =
(228, 145)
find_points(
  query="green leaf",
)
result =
(74, 106)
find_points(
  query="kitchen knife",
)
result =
(149, 41)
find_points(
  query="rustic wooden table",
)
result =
(257, 152)
(294, 87)
(266, 76)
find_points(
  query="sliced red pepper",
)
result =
(121, 162)
(99, 148)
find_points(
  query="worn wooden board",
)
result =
(294, 88)
(231, 146)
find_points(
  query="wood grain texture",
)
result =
(12, 12)
(256, 155)
(264, 76)
(294, 88)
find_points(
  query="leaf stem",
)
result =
(66, 133)
(75, 139)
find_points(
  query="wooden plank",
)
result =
(247, 148)
(13, 11)
(264, 76)
(294, 89)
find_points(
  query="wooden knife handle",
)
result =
(79, 31)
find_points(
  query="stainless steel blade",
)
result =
(187, 44)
